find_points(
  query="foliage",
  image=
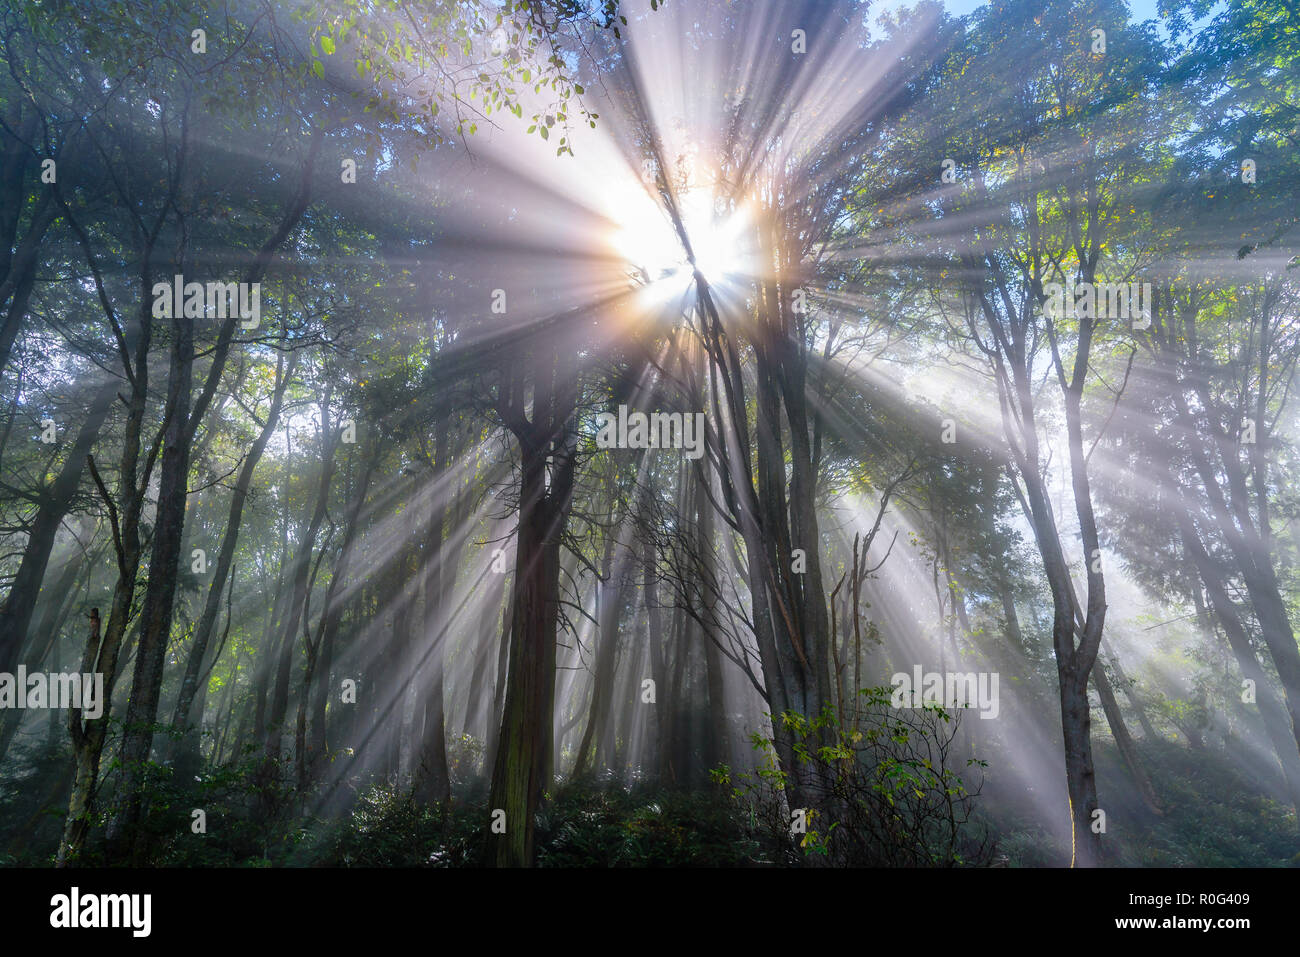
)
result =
(583, 826)
(880, 783)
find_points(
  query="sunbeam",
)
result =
(761, 433)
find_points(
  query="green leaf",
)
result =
(327, 44)
(318, 68)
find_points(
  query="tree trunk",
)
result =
(317, 743)
(517, 782)
(160, 595)
(1124, 740)
(610, 597)
(547, 463)
(19, 605)
(206, 625)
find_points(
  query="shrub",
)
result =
(879, 786)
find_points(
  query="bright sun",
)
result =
(647, 240)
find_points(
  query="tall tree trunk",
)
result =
(206, 625)
(17, 286)
(521, 759)
(297, 583)
(160, 595)
(19, 605)
(49, 623)
(659, 656)
(547, 463)
(185, 414)
(611, 592)
(1124, 740)
(516, 781)
(442, 559)
(478, 716)
(102, 651)
(333, 614)
(719, 729)
(1273, 711)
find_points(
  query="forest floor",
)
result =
(605, 825)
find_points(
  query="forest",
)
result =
(649, 433)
